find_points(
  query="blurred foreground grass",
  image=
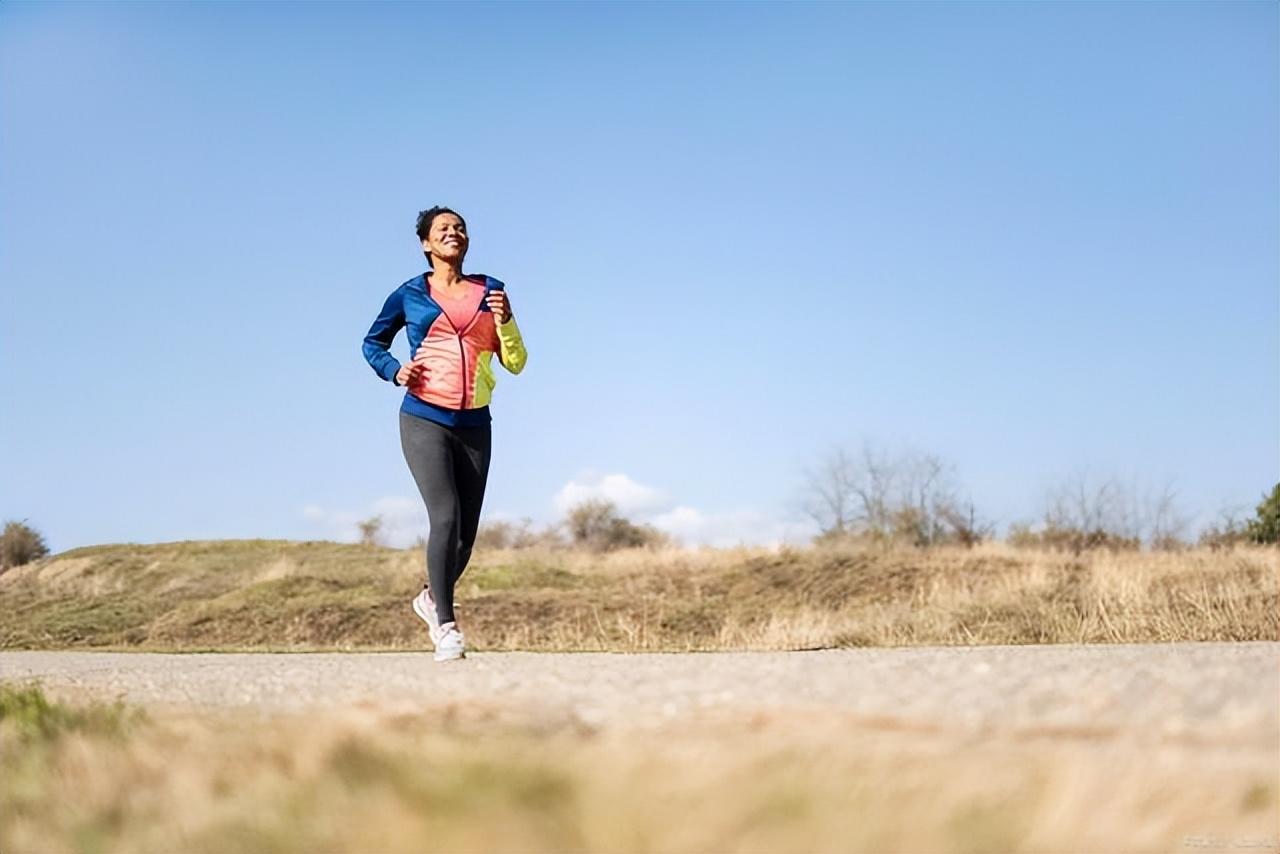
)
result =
(281, 594)
(109, 779)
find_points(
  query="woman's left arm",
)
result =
(511, 350)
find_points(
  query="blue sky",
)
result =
(1034, 239)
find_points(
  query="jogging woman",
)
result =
(455, 324)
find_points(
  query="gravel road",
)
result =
(1220, 695)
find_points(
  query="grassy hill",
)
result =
(282, 594)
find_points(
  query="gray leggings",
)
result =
(450, 466)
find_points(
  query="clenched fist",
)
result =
(411, 373)
(500, 305)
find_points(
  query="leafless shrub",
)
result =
(371, 531)
(1229, 531)
(876, 496)
(20, 544)
(596, 525)
(1081, 514)
(504, 534)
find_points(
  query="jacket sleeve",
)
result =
(511, 352)
(377, 343)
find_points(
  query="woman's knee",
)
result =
(445, 523)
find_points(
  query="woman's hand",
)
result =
(500, 305)
(411, 373)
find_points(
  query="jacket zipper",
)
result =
(462, 352)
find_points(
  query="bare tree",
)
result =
(848, 494)
(910, 496)
(1080, 514)
(928, 490)
(829, 493)
(1161, 521)
(874, 486)
(1074, 504)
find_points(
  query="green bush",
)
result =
(1265, 528)
(26, 711)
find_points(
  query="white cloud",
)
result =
(691, 526)
(404, 519)
(629, 496)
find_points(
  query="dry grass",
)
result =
(452, 779)
(279, 594)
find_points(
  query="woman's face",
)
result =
(447, 239)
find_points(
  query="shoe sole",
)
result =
(450, 656)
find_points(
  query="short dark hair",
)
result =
(424, 223)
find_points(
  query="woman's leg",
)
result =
(470, 474)
(429, 450)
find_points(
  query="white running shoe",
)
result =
(425, 608)
(450, 643)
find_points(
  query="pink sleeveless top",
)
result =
(463, 308)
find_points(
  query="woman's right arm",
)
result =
(377, 343)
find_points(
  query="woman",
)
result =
(455, 324)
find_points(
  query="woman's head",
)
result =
(443, 233)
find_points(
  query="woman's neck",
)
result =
(446, 274)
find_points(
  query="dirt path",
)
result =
(1220, 695)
